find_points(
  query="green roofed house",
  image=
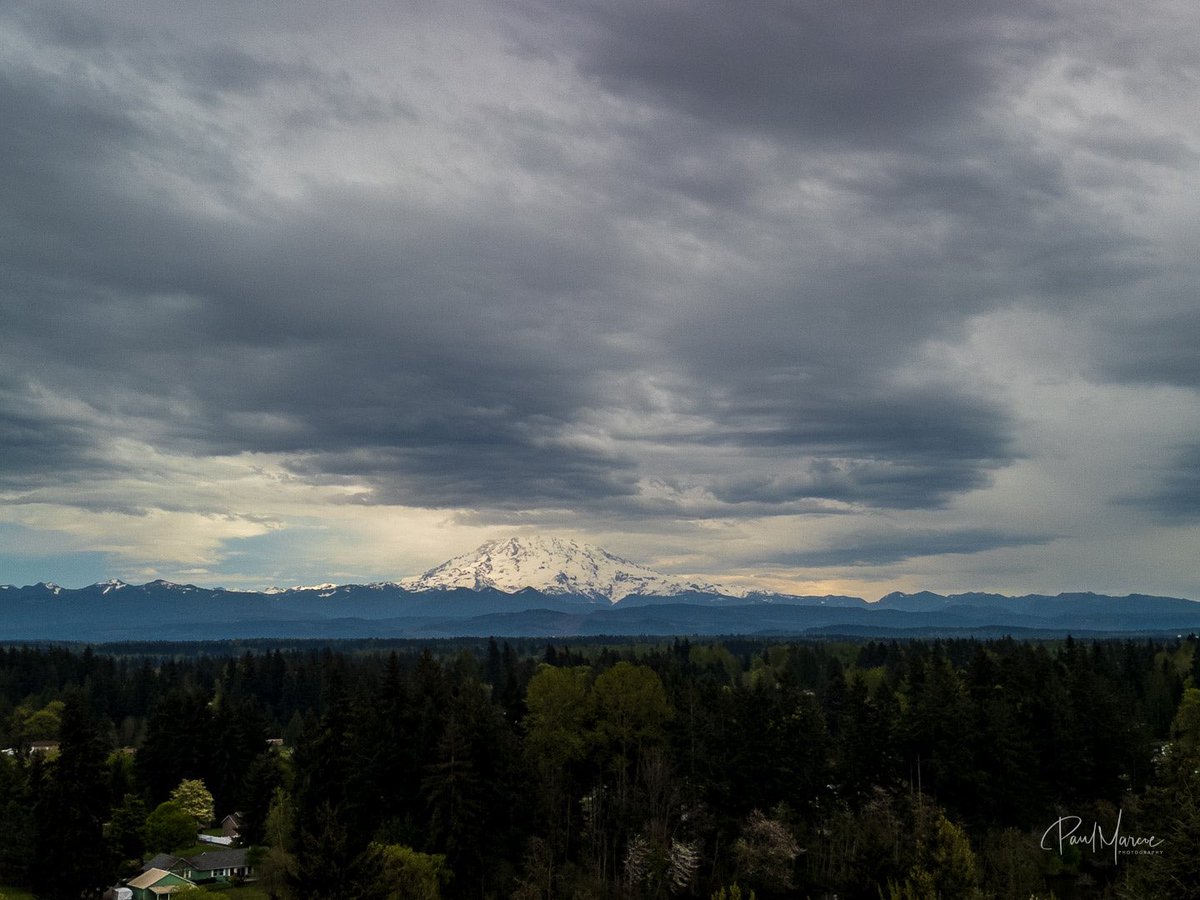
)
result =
(217, 865)
(167, 861)
(204, 868)
(154, 883)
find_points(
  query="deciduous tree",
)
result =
(405, 874)
(169, 827)
(193, 797)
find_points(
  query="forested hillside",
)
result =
(867, 770)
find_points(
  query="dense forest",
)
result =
(737, 768)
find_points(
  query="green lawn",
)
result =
(246, 892)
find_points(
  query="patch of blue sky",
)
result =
(28, 556)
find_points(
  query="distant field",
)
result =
(11, 893)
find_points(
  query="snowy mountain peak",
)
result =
(551, 565)
(326, 586)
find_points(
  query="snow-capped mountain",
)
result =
(552, 565)
(325, 589)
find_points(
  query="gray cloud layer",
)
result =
(635, 260)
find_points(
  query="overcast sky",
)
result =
(817, 296)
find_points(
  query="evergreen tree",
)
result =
(70, 810)
(16, 818)
(472, 789)
(1171, 815)
(327, 863)
(179, 742)
(866, 745)
(241, 733)
(127, 830)
(263, 778)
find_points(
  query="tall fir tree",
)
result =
(16, 818)
(71, 808)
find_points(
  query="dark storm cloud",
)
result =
(1176, 498)
(38, 447)
(861, 73)
(955, 215)
(500, 469)
(449, 352)
(1145, 346)
(903, 449)
(1153, 347)
(912, 95)
(413, 352)
(937, 421)
(881, 549)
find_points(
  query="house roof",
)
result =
(162, 861)
(147, 878)
(218, 859)
(151, 877)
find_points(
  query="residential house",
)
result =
(168, 861)
(218, 865)
(231, 824)
(204, 868)
(155, 883)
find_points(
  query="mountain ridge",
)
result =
(538, 586)
(897, 600)
(162, 610)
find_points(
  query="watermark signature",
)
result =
(1066, 832)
